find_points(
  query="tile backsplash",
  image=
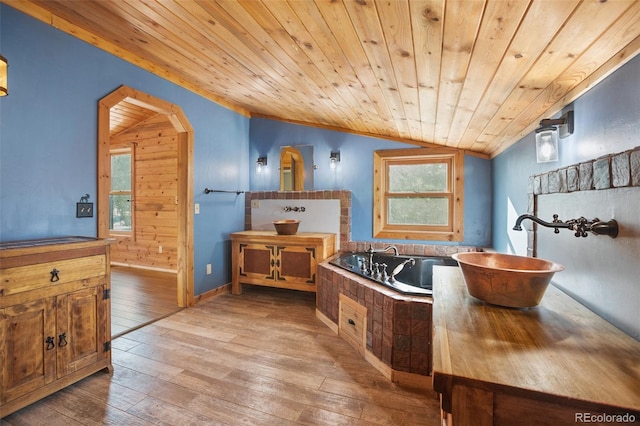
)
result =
(334, 205)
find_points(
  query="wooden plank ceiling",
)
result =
(471, 74)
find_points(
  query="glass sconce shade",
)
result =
(546, 144)
(261, 164)
(334, 159)
(547, 136)
(3, 76)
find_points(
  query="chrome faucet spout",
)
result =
(371, 250)
(394, 248)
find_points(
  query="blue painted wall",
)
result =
(607, 120)
(601, 273)
(48, 141)
(355, 173)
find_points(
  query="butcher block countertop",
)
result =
(559, 352)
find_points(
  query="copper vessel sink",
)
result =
(506, 279)
(286, 226)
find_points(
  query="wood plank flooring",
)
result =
(139, 297)
(261, 358)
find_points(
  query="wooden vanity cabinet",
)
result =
(285, 261)
(55, 324)
(555, 364)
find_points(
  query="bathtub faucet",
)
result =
(368, 264)
(400, 267)
(370, 250)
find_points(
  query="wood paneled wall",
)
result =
(155, 154)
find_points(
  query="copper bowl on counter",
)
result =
(286, 226)
(506, 279)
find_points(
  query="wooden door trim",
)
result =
(185, 280)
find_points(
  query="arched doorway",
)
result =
(120, 110)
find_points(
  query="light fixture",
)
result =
(334, 158)
(547, 136)
(3, 76)
(261, 164)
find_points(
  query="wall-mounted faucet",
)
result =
(294, 209)
(580, 226)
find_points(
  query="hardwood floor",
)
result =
(139, 297)
(261, 358)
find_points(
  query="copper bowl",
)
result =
(286, 226)
(505, 279)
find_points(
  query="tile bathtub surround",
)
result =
(343, 195)
(409, 249)
(398, 326)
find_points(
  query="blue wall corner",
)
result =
(48, 141)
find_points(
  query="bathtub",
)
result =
(414, 279)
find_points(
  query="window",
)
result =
(418, 194)
(120, 195)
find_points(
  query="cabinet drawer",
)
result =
(352, 322)
(25, 278)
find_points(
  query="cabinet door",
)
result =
(27, 348)
(257, 262)
(297, 264)
(80, 338)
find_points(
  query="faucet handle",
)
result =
(383, 274)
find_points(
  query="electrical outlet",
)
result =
(208, 269)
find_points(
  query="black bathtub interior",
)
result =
(414, 279)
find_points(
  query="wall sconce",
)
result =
(334, 159)
(3, 76)
(261, 164)
(547, 136)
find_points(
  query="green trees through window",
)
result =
(120, 196)
(418, 194)
(413, 196)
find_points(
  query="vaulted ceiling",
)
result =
(472, 74)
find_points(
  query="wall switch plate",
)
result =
(84, 209)
(208, 269)
(255, 204)
(197, 208)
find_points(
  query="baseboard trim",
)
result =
(326, 321)
(212, 294)
(148, 268)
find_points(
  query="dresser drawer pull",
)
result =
(54, 275)
(352, 322)
(50, 344)
(62, 340)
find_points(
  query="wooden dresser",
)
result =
(285, 261)
(55, 323)
(555, 364)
